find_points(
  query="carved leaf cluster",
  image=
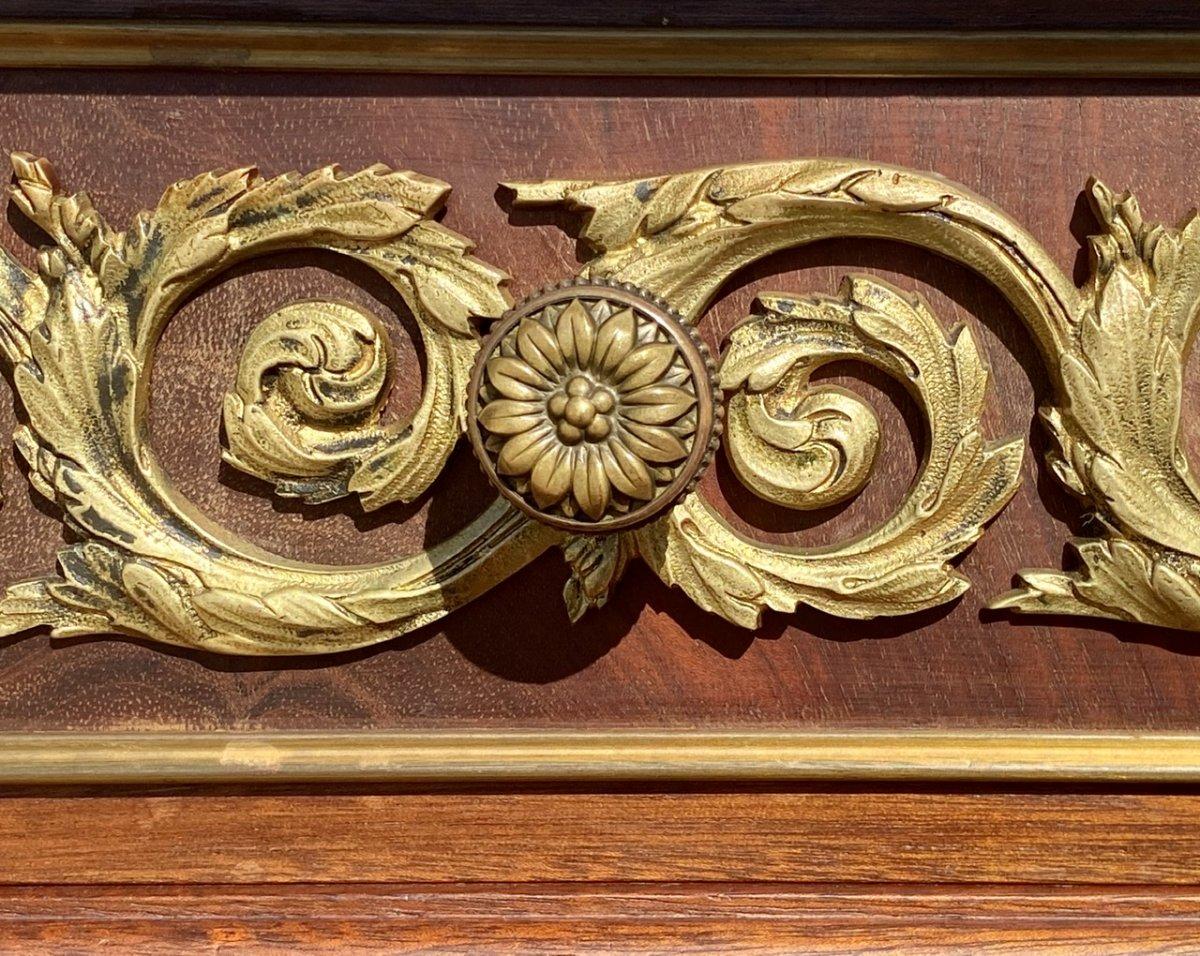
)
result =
(596, 564)
(1117, 428)
(444, 286)
(144, 565)
(1116, 347)
(903, 565)
(682, 236)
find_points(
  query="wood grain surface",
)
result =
(855, 836)
(821, 871)
(650, 657)
(727, 918)
(812, 14)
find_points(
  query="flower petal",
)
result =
(538, 346)
(576, 334)
(653, 444)
(591, 486)
(614, 339)
(626, 471)
(551, 477)
(644, 365)
(516, 379)
(656, 404)
(507, 417)
(521, 452)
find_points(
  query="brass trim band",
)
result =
(593, 51)
(80, 759)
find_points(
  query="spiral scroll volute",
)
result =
(800, 445)
(311, 384)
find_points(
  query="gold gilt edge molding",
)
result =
(593, 406)
(595, 51)
(597, 757)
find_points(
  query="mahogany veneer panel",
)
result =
(729, 918)
(625, 872)
(812, 837)
(650, 657)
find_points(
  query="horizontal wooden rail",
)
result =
(595, 51)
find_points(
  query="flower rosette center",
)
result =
(586, 407)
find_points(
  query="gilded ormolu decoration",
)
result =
(591, 406)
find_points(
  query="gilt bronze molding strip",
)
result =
(598, 757)
(45, 44)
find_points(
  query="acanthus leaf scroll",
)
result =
(1117, 430)
(900, 567)
(80, 335)
(304, 410)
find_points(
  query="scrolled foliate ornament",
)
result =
(1116, 427)
(1115, 349)
(904, 564)
(592, 406)
(80, 335)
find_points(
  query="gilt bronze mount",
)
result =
(593, 406)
